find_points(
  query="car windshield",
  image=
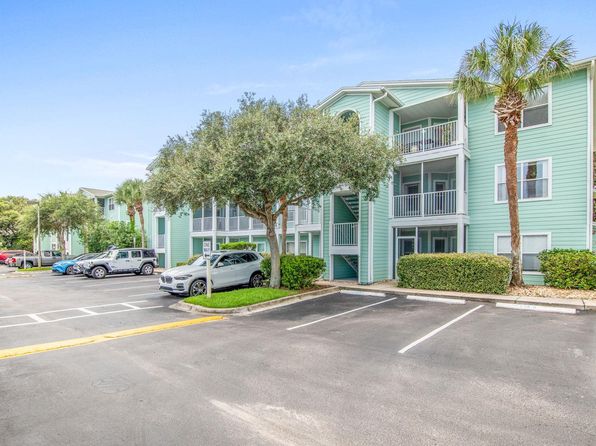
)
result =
(201, 261)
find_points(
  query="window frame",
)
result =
(549, 90)
(522, 235)
(549, 170)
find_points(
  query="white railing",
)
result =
(221, 223)
(308, 216)
(257, 224)
(207, 224)
(428, 138)
(197, 224)
(440, 203)
(345, 234)
(161, 241)
(435, 203)
(406, 205)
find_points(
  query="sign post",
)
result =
(207, 256)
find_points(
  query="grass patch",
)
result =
(239, 298)
(35, 268)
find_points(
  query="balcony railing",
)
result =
(345, 234)
(428, 138)
(308, 216)
(161, 241)
(197, 224)
(435, 203)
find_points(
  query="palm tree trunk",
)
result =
(510, 149)
(139, 208)
(131, 217)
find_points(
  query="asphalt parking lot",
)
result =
(337, 370)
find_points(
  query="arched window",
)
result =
(350, 116)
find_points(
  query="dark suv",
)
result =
(122, 261)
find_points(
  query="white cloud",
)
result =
(97, 168)
(141, 156)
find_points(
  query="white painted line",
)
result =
(134, 307)
(362, 293)
(436, 330)
(76, 308)
(340, 314)
(444, 300)
(544, 308)
(85, 310)
(151, 285)
(36, 318)
(82, 315)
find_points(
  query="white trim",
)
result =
(549, 170)
(549, 89)
(590, 218)
(521, 248)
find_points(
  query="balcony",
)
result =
(427, 139)
(345, 234)
(426, 204)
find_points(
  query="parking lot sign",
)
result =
(207, 247)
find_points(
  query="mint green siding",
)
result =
(179, 238)
(381, 235)
(341, 213)
(360, 103)
(341, 269)
(316, 245)
(414, 95)
(564, 141)
(381, 118)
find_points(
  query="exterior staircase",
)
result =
(352, 261)
(352, 203)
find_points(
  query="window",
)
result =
(439, 244)
(135, 254)
(537, 112)
(111, 204)
(261, 247)
(290, 247)
(533, 180)
(532, 245)
(303, 247)
(122, 255)
(249, 257)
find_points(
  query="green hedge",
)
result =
(238, 245)
(297, 272)
(189, 261)
(465, 272)
(569, 268)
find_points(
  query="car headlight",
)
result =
(183, 277)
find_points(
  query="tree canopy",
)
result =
(12, 234)
(265, 151)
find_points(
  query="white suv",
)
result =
(228, 269)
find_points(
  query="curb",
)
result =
(267, 305)
(577, 304)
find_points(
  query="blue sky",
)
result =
(90, 90)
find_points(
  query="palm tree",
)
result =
(513, 66)
(131, 193)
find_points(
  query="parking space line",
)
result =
(437, 330)
(85, 310)
(160, 293)
(134, 307)
(544, 308)
(153, 285)
(108, 282)
(78, 342)
(36, 318)
(444, 300)
(340, 314)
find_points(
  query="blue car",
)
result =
(69, 266)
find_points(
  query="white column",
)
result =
(461, 118)
(296, 242)
(460, 237)
(460, 166)
(422, 189)
(309, 248)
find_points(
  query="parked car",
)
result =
(5, 255)
(78, 267)
(229, 269)
(48, 258)
(121, 261)
(67, 266)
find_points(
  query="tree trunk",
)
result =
(284, 227)
(61, 243)
(139, 209)
(275, 279)
(131, 216)
(510, 149)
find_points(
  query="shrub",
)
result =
(189, 261)
(569, 268)
(296, 271)
(466, 272)
(239, 245)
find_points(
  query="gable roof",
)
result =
(97, 193)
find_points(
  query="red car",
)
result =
(4, 255)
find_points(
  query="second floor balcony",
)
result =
(429, 138)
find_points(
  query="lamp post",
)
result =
(38, 233)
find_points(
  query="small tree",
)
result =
(60, 213)
(263, 152)
(131, 193)
(514, 65)
(103, 234)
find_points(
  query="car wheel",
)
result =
(147, 269)
(256, 280)
(69, 271)
(99, 272)
(197, 288)
(28, 265)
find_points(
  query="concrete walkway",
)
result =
(387, 287)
